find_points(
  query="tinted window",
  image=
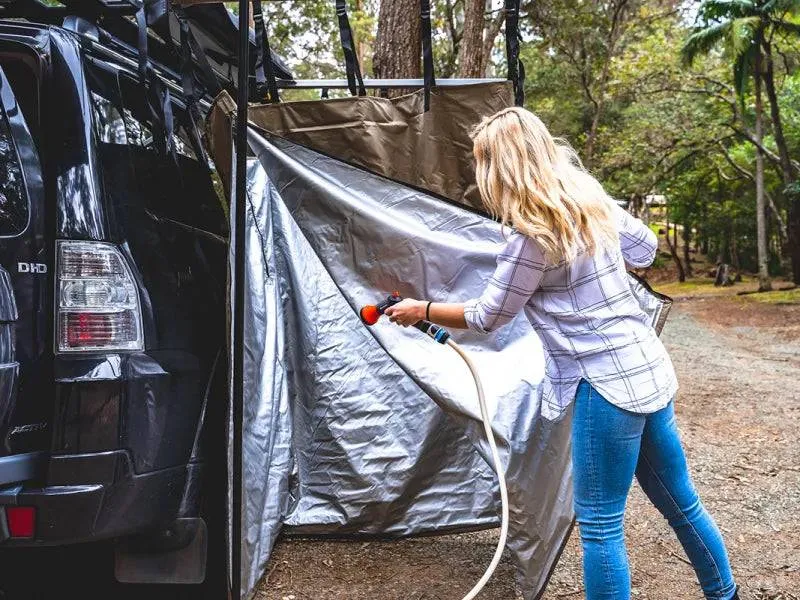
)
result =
(135, 173)
(24, 81)
(117, 124)
(13, 196)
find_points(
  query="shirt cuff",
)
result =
(472, 315)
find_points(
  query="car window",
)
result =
(119, 124)
(110, 124)
(14, 209)
(25, 83)
(136, 175)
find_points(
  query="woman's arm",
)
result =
(520, 268)
(637, 241)
(409, 311)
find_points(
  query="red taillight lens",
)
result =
(21, 521)
(98, 330)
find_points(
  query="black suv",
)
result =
(112, 311)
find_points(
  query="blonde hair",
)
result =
(537, 185)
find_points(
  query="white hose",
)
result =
(498, 469)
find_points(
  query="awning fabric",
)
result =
(393, 137)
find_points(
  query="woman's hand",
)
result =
(407, 312)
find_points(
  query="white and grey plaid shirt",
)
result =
(589, 321)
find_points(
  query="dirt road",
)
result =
(739, 412)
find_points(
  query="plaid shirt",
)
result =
(589, 321)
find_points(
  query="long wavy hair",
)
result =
(536, 184)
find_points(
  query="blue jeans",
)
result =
(609, 446)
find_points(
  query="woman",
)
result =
(564, 265)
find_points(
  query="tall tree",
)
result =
(589, 36)
(738, 27)
(470, 50)
(490, 36)
(397, 44)
(764, 283)
(471, 28)
(749, 28)
(778, 25)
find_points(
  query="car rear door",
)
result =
(26, 384)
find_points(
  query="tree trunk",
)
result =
(592, 135)
(397, 43)
(492, 31)
(470, 49)
(787, 168)
(687, 240)
(675, 234)
(722, 247)
(761, 221)
(794, 235)
(768, 74)
(673, 250)
(734, 251)
(448, 68)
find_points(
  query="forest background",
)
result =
(690, 111)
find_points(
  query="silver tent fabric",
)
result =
(656, 306)
(354, 430)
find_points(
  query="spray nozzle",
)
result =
(371, 314)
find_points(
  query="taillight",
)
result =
(98, 303)
(21, 521)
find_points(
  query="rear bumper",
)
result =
(21, 467)
(90, 497)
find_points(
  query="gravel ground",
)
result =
(739, 413)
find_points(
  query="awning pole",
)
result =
(238, 294)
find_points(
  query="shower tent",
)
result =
(356, 431)
(343, 430)
(353, 431)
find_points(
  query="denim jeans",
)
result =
(609, 446)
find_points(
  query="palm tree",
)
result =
(746, 30)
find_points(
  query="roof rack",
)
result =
(37, 9)
(379, 83)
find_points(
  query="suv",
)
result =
(112, 312)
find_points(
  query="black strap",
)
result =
(210, 79)
(265, 74)
(141, 42)
(516, 70)
(157, 95)
(189, 47)
(427, 51)
(187, 72)
(192, 92)
(160, 104)
(348, 47)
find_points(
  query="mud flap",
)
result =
(176, 555)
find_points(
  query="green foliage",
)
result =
(790, 101)
(791, 296)
(737, 26)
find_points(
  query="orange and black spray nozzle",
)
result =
(371, 314)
